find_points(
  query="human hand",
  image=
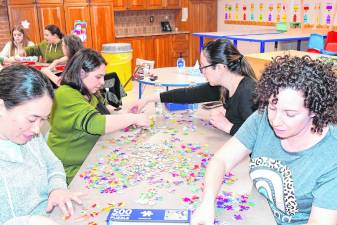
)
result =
(218, 119)
(142, 120)
(63, 199)
(137, 106)
(203, 215)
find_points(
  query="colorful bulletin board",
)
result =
(310, 13)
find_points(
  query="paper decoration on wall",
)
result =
(278, 9)
(328, 7)
(244, 8)
(306, 14)
(80, 30)
(236, 11)
(261, 7)
(295, 8)
(25, 24)
(284, 14)
(270, 17)
(252, 6)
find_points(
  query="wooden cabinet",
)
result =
(50, 1)
(19, 13)
(102, 24)
(163, 49)
(51, 14)
(76, 1)
(129, 4)
(172, 4)
(162, 46)
(154, 4)
(20, 2)
(81, 12)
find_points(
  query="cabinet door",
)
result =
(76, 1)
(163, 50)
(136, 4)
(51, 14)
(155, 4)
(102, 24)
(120, 4)
(201, 17)
(180, 45)
(19, 13)
(50, 1)
(18, 2)
(173, 4)
(78, 12)
(138, 48)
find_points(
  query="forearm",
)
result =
(55, 79)
(117, 122)
(213, 180)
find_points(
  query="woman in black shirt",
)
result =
(230, 80)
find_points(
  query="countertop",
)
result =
(151, 34)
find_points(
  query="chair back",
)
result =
(331, 37)
(316, 41)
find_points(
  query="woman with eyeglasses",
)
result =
(231, 80)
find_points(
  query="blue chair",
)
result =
(316, 43)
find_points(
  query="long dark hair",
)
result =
(222, 51)
(85, 59)
(73, 44)
(19, 84)
(25, 39)
(53, 29)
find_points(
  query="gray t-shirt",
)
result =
(292, 182)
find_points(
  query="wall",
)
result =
(250, 47)
(4, 24)
(138, 22)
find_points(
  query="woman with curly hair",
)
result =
(292, 140)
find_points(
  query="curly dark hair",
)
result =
(316, 80)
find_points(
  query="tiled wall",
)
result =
(138, 22)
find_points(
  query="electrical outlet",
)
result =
(151, 19)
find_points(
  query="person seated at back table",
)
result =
(32, 179)
(292, 140)
(70, 45)
(16, 45)
(78, 116)
(50, 48)
(230, 79)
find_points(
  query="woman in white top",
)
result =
(14, 47)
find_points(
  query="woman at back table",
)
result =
(70, 45)
(50, 48)
(292, 139)
(230, 79)
(16, 45)
(78, 116)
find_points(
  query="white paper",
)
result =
(184, 14)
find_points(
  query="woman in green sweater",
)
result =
(51, 47)
(77, 120)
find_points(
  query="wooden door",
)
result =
(138, 48)
(78, 12)
(102, 24)
(51, 14)
(155, 4)
(163, 50)
(120, 4)
(136, 4)
(201, 19)
(25, 13)
(172, 4)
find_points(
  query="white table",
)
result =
(177, 131)
(170, 77)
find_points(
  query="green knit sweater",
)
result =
(76, 126)
(49, 52)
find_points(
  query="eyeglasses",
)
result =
(204, 67)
